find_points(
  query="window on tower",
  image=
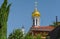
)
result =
(36, 21)
(33, 22)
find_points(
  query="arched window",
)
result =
(36, 21)
(33, 22)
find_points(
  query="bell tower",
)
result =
(36, 15)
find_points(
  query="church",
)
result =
(36, 28)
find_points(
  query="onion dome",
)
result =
(36, 13)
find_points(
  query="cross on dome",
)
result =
(36, 4)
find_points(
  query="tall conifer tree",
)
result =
(4, 12)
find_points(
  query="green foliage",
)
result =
(4, 12)
(38, 36)
(48, 37)
(28, 36)
(55, 24)
(17, 34)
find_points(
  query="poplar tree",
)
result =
(4, 13)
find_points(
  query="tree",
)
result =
(28, 36)
(55, 24)
(4, 12)
(47, 37)
(17, 34)
(38, 36)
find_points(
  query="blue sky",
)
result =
(21, 13)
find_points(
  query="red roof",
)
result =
(42, 28)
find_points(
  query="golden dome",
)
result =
(35, 13)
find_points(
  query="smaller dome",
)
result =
(35, 13)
